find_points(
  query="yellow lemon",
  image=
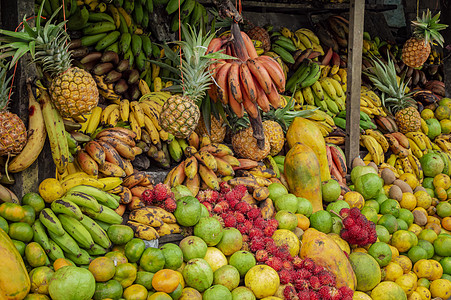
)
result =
(424, 293)
(423, 269)
(427, 114)
(407, 283)
(410, 179)
(354, 199)
(414, 296)
(388, 290)
(415, 229)
(442, 180)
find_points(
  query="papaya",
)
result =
(14, 279)
(326, 253)
(303, 174)
(305, 131)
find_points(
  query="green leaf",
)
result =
(19, 53)
(206, 113)
(222, 113)
(166, 66)
(32, 47)
(18, 35)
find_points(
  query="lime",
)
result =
(276, 190)
(446, 265)
(428, 235)
(287, 202)
(446, 276)
(402, 225)
(337, 224)
(428, 183)
(403, 240)
(34, 200)
(380, 198)
(21, 232)
(286, 219)
(304, 207)
(374, 204)
(370, 213)
(331, 190)
(443, 209)
(321, 221)
(424, 282)
(406, 215)
(337, 206)
(382, 234)
(430, 192)
(389, 222)
(442, 245)
(390, 206)
(369, 185)
(416, 253)
(381, 252)
(426, 245)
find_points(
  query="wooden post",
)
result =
(12, 14)
(445, 18)
(356, 18)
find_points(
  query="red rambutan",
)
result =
(285, 276)
(297, 262)
(273, 222)
(314, 296)
(272, 249)
(260, 223)
(256, 244)
(346, 292)
(301, 284)
(261, 255)
(239, 217)
(324, 292)
(242, 228)
(162, 192)
(254, 213)
(304, 295)
(170, 205)
(245, 238)
(269, 231)
(233, 203)
(287, 265)
(314, 282)
(208, 205)
(275, 263)
(224, 187)
(148, 196)
(243, 207)
(240, 190)
(255, 232)
(317, 269)
(326, 278)
(229, 221)
(290, 293)
(221, 207)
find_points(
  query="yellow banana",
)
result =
(424, 126)
(157, 84)
(416, 151)
(94, 120)
(380, 138)
(106, 112)
(110, 182)
(153, 132)
(336, 85)
(113, 118)
(135, 126)
(124, 109)
(139, 113)
(416, 167)
(143, 87)
(392, 159)
(406, 166)
(209, 177)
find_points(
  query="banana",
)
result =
(337, 86)
(95, 151)
(223, 167)
(51, 222)
(318, 90)
(374, 148)
(175, 150)
(82, 196)
(143, 231)
(77, 231)
(178, 175)
(110, 183)
(98, 235)
(64, 206)
(191, 167)
(417, 138)
(124, 109)
(86, 163)
(166, 229)
(96, 250)
(406, 166)
(209, 177)
(146, 216)
(152, 131)
(94, 120)
(443, 144)
(121, 147)
(380, 138)
(55, 251)
(416, 151)
(139, 113)
(206, 159)
(113, 117)
(416, 167)
(328, 87)
(66, 242)
(106, 215)
(119, 133)
(398, 166)
(40, 236)
(71, 182)
(424, 126)
(36, 136)
(112, 170)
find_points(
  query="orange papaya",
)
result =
(303, 177)
(326, 253)
(14, 279)
(305, 131)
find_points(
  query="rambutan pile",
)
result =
(357, 229)
(160, 195)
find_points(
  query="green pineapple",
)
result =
(13, 133)
(72, 90)
(394, 96)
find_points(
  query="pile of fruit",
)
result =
(248, 125)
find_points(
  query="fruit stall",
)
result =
(196, 149)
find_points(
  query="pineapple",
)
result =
(217, 130)
(72, 90)
(276, 136)
(180, 113)
(13, 133)
(245, 144)
(260, 34)
(394, 96)
(416, 50)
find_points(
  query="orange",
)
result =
(415, 229)
(424, 269)
(403, 240)
(410, 179)
(354, 199)
(432, 219)
(404, 262)
(394, 252)
(428, 234)
(392, 271)
(437, 269)
(159, 296)
(446, 223)
(117, 257)
(441, 288)
(423, 199)
(50, 189)
(135, 292)
(303, 221)
(407, 283)
(424, 292)
(61, 262)
(165, 280)
(408, 201)
(102, 268)
(434, 226)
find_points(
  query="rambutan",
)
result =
(221, 207)
(317, 269)
(261, 255)
(272, 249)
(301, 284)
(304, 274)
(346, 292)
(254, 213)
(289, 293)
(162, 192)
(314, 296)
(211, 196)
(240, 190)
(304, 295)
(286, 265)
(208, 205)
(273, 223)
(148, 196)
(243, 207)
(297, 262)
(239, 217)
(275, 263)
(256, 244)
(335, 294)
(248, 224)
(170, 205)
(233, 203)
(314, 282)
(229, 221)
(255, 233)
(269, 231)
(284, 253)
(308, 264)
(268, 241)
(326, 278)
(224, 187)
(242, 228)
(285, 276)
(260, 223)
(324, 293)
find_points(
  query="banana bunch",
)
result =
(192, 12)
(374, 148)
(306, 74)
(279, 60)
(365, 121)
(399, 144)
(410, 164)
(370, 103)
(75, 226)
(435, 57)
(420, 144)
(152, 222)
(338, 28)
(321, 119)
(258, 47)
(436, 86)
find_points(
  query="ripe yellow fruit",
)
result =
(441, 288)
(407, 283)
(50, 189)
(404, 262)
(408, 201)
(392, 272)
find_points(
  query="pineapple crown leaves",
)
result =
(194, 75)
(384, 79)
(427, 27)
(4, 83)
(37, 40)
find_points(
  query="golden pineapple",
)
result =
(394, 96)
(72, 90)
(180, 113)
(13, 133)
(426, 29)
(276, 136)
(262, 35)
(217, 129)
(245, 145)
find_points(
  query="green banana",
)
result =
(136, 44)
(279, 159)
(112, 202)
(111, 38)
(71, 142)
(99, 27)
(284, 54)
(82, 259)
(77, 231)
(55, 251)
(124, 42)
(301, 73)
(175, 150)
(314, 74)
(67, 207)
(113, 47)
(138, 13)
(146, 19)
(66, 243)
(140, 61)
(51, 222)
(104, 225)
(98, 17)
(123, 28)
(367, 125)
(82, 200)
(96, 250)
(173, 6)
(92, 194)
(340, 122)
(146, 45)
(90, 40)
(129, 55)
(149, 6)
(106, 215)
(287, 45)
(129, 6)
(40, 236)
(99, 235)
(364, 116)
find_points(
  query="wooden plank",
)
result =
(446, 19)
(356, 18)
